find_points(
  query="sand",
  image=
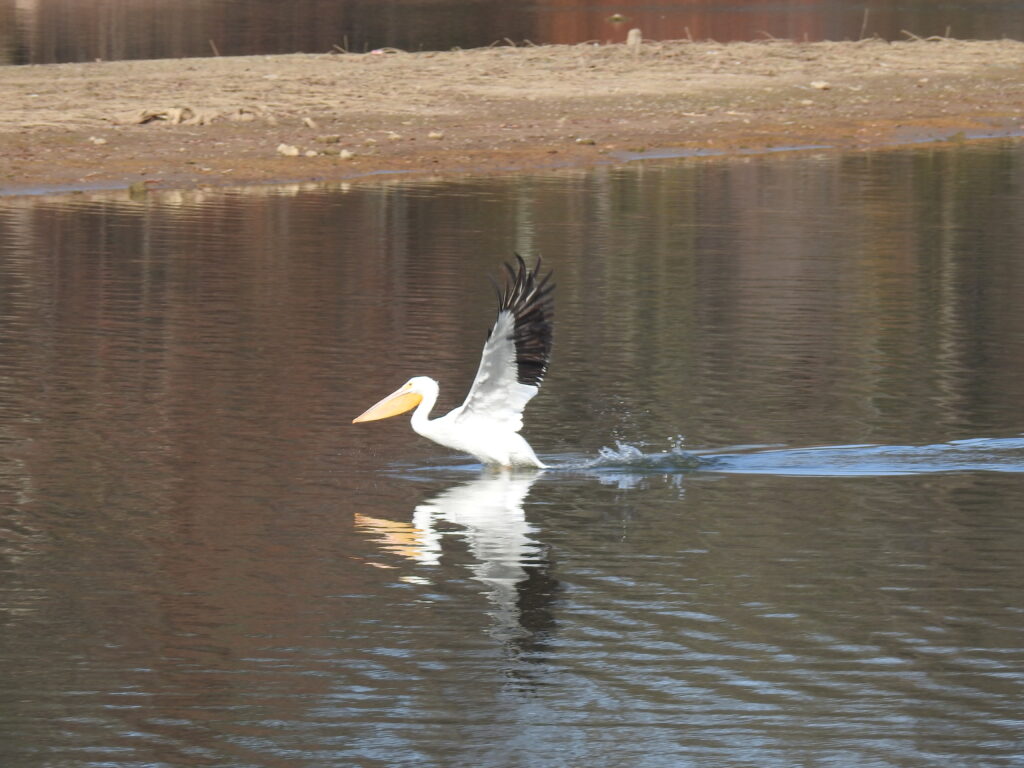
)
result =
(258, 119)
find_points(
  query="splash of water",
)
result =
(971, 455)
(633, 457)
(628, 463)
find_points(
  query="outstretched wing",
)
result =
(515, 356)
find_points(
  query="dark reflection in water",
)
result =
(202, 562)
(44, 31)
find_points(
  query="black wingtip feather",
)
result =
(528, 296)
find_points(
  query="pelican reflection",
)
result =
(487, 514)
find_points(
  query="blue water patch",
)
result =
(973, 455)
(636, 460)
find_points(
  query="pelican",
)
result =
(512, 366)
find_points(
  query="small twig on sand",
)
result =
(864, 24)
(213, 46)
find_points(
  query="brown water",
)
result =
(785, 528)
(42, 31)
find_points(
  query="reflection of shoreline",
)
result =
(487, 513)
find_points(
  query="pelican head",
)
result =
(403, 399)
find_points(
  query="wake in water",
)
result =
(633, 458)
(627, 464)
(974, 455)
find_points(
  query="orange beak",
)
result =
(397, 402)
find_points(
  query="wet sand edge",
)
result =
(322, 118)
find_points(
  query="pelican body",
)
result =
(512, 367)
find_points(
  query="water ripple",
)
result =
(629, 461)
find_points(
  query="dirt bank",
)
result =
(182, 123)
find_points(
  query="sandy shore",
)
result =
(213, 121)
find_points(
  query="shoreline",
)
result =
(212, 122)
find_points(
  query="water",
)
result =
(784, 527)
(43, 31)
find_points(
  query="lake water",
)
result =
(43, 31)
(785, 527)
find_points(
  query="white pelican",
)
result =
(513, 364)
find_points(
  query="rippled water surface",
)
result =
(784, 527)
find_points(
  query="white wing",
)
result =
(516, 354)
